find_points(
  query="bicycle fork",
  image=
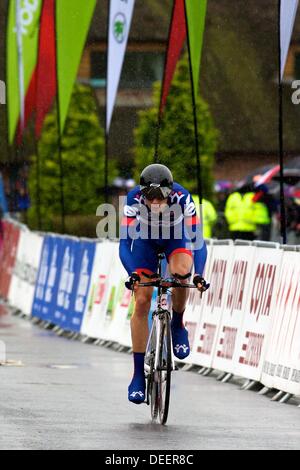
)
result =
(153, 350)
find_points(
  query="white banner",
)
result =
(207, 331)
(287, 21)
(24, 277)
(120, 17)
(282, 364)
(98, 297)
(194, 310)
(112, 322)
(251, 350)
(124, 313)
(236, 299)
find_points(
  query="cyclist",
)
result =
(159, 216)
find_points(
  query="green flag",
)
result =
(73, 20)
(196, 14)
(21, 62)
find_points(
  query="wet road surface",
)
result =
(61, 394)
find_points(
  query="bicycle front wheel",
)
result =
(164, 372)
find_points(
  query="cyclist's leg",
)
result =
(180, 262)
(145, 259)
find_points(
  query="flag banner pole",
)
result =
(160, 110)
(22, 47)
(61, 171)
(119, 19)
(106, 189)
(73, 20)
(176, 39)
(59, 139)
(106, 118)
(120, 15)
(20, 65)
(46, 85)
(197, 144)
(38, 186)
(280, 132)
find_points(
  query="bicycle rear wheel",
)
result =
(164, 372)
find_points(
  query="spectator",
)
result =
(266, 207)
(209, 215)
(241, 216)
(293, 220)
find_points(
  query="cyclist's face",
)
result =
(157, 205)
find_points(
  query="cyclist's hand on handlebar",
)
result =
(200, 283)
(133, 282)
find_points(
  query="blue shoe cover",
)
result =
(181, 345)
(137, 390)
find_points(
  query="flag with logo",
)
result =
(73, 19)
(22, 53)
(176, 42)
(120, 17)
(288, 13)
(195, 16)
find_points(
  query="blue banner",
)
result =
(83, 272)
(66, 281)
(42, 278)
(63, 281)
(56, 247)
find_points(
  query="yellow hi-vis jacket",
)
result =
(240, 212)
(209, 215)
(262, 216)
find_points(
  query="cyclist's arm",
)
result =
(200, 258)
(126, 255)
(129, 218)
(195, 232)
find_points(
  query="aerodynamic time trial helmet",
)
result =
(156, 182)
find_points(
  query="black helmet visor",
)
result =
(155, 191)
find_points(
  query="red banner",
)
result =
(42, 88)
(8, 256)
(46, 69)
(176, 42)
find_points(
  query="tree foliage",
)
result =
(177, 137)
(83, 162)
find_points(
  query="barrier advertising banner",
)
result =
(55, 245)
(66, 283)
(98, 297)
(234, 307)
(282, 364)
(8, 256)
(38, 305)
(207, 331)
(83, 272)
(22, 288)
(194, 310)
(250, 352)
(111, 322)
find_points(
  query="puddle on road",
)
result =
(11, 364)
(62, 366)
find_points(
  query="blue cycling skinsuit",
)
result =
(146, 232)
(139, 253)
